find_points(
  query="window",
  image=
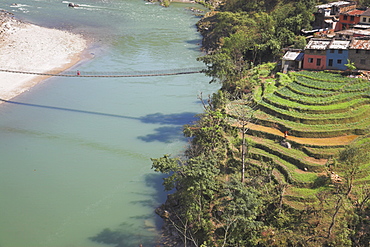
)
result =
(358, 51)
(331, 51)
(318, 62)
(330, 62)
(367, 52)
(362, 61)
(339, 61)
(310, 60)
(364, 19)
(340, 51)
(345, 17)
(352, 18)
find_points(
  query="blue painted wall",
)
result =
(336, 60)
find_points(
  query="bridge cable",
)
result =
(111, 74)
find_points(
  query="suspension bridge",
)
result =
(78, 73)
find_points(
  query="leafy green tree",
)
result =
(196, 182)
(350, 65)
(208, 134)
(364, 3)
(300, 42)
(353, 158)
(237, 213)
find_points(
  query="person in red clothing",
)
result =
(78, 72)
(285, 134)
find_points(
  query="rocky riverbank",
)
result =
(27, 47)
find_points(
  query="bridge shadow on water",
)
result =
(145, 234)
(167, 134)
(172, 131)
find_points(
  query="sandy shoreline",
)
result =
(27, 47)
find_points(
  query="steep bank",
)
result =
(27, 47)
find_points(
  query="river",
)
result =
(75, 152)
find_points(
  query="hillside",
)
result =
(322, 114)
(263, 188)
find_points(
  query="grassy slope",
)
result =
(323, 113)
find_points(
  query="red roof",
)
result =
(360, 44)
(355, 12)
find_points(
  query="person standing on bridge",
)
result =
(78, 72)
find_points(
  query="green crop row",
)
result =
(309, 134)
(360, 111)
(317, 84)
(301, 117)
(322, 153)
(258, 154)
(358, 87)
(290, 95)
(314, 92)
(324, 76)
(304, 195)
(292, 155)
(326, 129)
(309, 91)
(290, 171)
(315, 109)
(315, 119)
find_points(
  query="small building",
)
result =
(365, 19)
(315, 54)
(345, 34)
(359, 53)
(326, 15)
(335, 8)
(337, 54)
(350, 33)
(292, 60)
(348, 19)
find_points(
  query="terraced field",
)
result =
(321, 112)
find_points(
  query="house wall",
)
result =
(360, 58)
(336, 59)
(365, 19)
(314, 61)
(346, 24)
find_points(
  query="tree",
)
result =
(243, 113)
(353, 157)
(196, 182)
(208, 133)
(237, 210)
(350, 66)
(230, 64)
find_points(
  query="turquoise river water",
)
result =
(75, 152)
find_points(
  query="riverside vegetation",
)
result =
(241, 182)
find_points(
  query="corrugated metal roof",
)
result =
(317, 44)
(360, 44)
(366, 13)
(362, 26)
(355, 12)
(293, 56)
(339, 44)
(323, 6)
(347, 31)
(363, 32)
(329, 5)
